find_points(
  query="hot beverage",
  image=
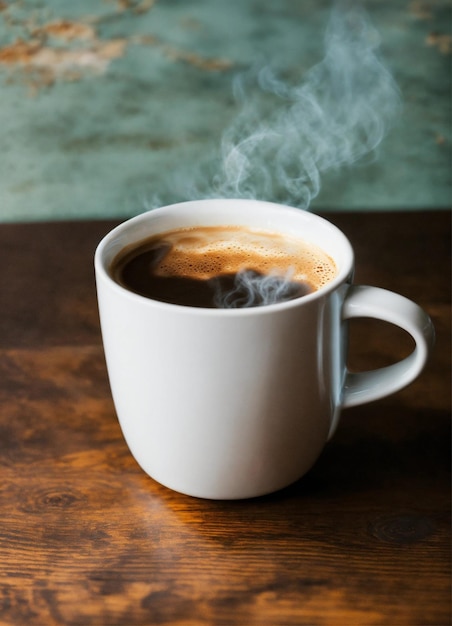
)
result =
(236, 403)
(222, 267)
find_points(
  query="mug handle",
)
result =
(363, 301)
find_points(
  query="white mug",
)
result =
(237, 403)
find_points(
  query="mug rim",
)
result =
(344, 273)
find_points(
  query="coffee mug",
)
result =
(236, 403)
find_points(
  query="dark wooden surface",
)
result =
(86, 538)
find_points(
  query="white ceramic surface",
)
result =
(237, 403)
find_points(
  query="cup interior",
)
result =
(253, 214)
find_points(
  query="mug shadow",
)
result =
(370, 465)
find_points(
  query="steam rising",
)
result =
(286, 136)
(252, 289)
(279, 145)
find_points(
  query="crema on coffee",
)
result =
(222, 267)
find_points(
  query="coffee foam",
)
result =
(205, 252)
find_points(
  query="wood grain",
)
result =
(86, 538)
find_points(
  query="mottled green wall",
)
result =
(102, 99)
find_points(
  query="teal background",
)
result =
(101, 101)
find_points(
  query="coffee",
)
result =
(222, 267)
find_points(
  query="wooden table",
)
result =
(86, 538)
